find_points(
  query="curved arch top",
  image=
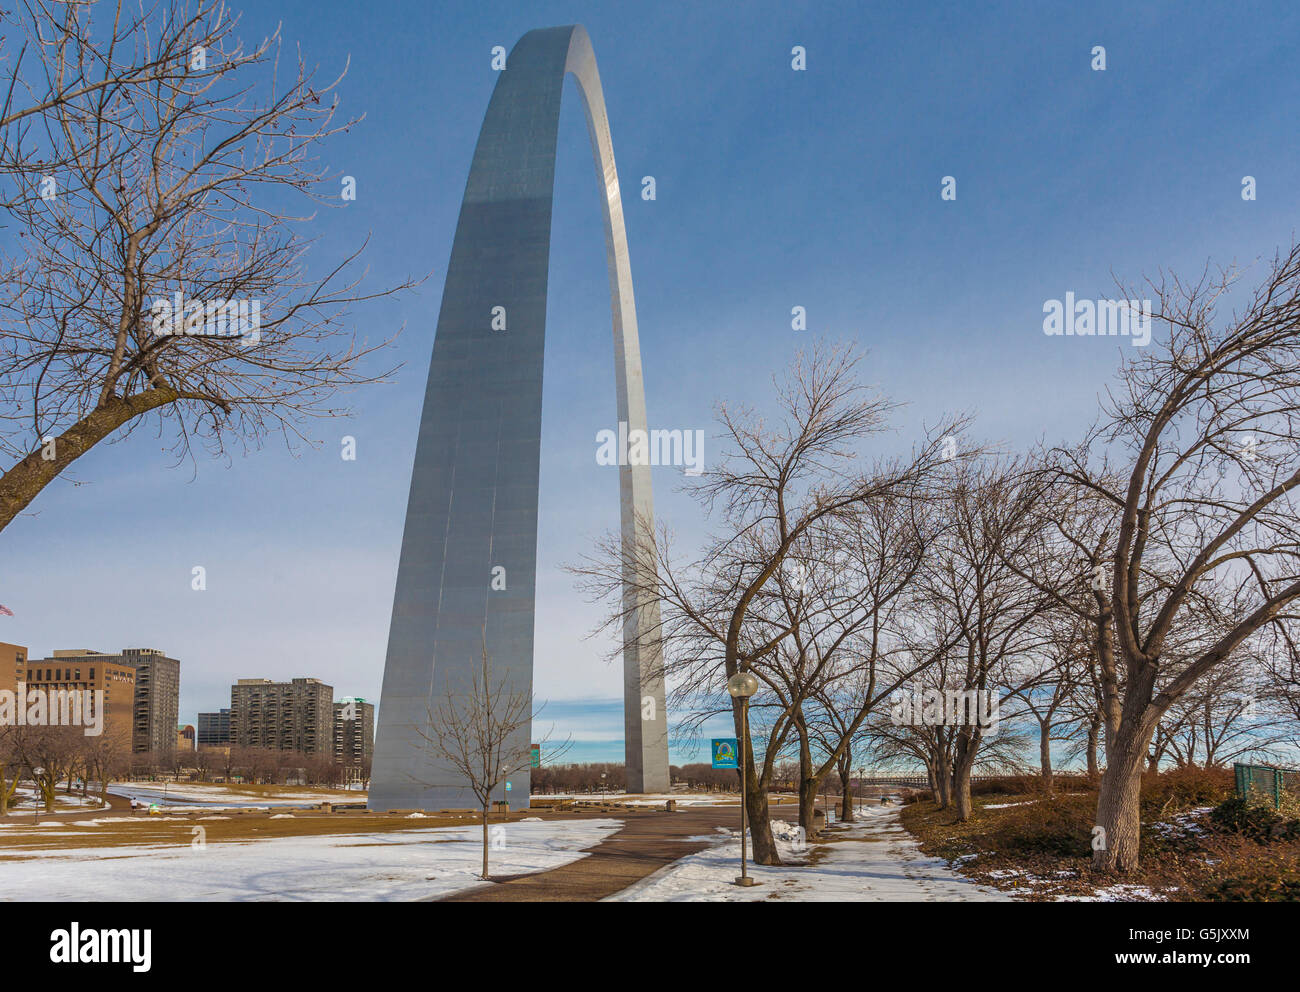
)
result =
(468, 569)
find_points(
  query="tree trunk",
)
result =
(1045, 756)
(943, 785)
(1115, 846)
(760, 827)
(961, 791)
(755, 797)
(967, 747)
(846, 797)
(1094, 731)
(486, 876)
(808, 805)
(1111, 708)
(49, 789)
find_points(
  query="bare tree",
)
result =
(204, 760)
(1225, 717)
(1001, 621)
(842, 655)
(50, 68)
(479, 734)
(106, 757)
(1057, 704)
(1200, 434)
(158, 269)
(778, 482)
(1280, 688)
(48, 754)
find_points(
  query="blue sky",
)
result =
(775, 188)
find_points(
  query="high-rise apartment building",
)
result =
(354, 731)
(283, 716)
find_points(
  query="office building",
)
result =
(156, 704)
(214, 729)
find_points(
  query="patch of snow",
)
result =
(875, 860)
(1117, 893)
(386, 866)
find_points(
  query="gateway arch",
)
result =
(468, 568)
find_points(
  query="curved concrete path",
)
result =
(648, 841)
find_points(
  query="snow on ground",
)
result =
(645, 798)
(876, 861)
(208, 792)
(1117, 893)
(26, 800)
(1185, 824)
(399, 865)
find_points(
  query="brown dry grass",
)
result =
(1039, 846)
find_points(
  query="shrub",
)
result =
(1055, 825)
(1007, 785)
(1181, 789)
(1254, 818)
(1262, 878)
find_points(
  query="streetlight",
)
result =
(741, 686)
(602, 784)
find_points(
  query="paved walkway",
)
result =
(648, 841)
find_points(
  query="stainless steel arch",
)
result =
(472, 511)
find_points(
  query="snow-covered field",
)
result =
(204, 792)
(401, 865)
(647, 798)
(873, 860)
(26, 800)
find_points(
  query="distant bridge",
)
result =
(921, 782)
(906, 781)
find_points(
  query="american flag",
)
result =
(5, 611)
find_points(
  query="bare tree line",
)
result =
(50, 758)
(1127, 599)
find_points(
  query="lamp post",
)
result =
(741, 686)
